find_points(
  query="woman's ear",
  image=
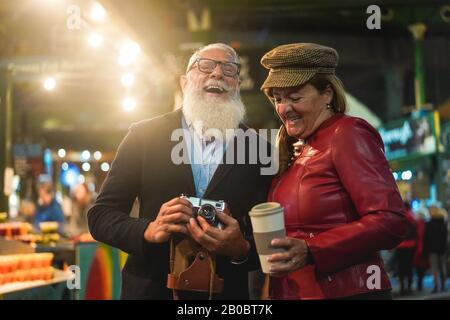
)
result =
(329, 94)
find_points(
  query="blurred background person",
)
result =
(82, 200)
(27, 210)
(435, 244)
(421, 260)
(405, 253)
(48, 209)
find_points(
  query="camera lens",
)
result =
(208, 212)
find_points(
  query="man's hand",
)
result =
(227, 241)
(172, 218)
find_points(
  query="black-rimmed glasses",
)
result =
(229, 69)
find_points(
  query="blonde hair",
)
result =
(338, 104)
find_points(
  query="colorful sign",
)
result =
(100, 267)
(410, 136)
(445, 136)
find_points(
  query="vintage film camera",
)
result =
(207, 209)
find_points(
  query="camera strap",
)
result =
(192, 268)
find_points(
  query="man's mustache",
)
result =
(217, 83)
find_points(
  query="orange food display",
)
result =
(26, 267)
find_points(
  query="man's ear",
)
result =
(183, 82)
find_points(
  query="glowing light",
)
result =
(95, 40)
(85, 155)
(97, 13)
(97, 155)
(127, 80)
(104, 166)
(81, 179)
(129, 104)
(61, 153)
(86, 166)
(71, 177)
(415, 205)
(395, 174)
(49, 83)
(128, 52)
(407, 175)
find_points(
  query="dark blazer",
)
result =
(143, 168)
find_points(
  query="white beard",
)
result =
(208, 113)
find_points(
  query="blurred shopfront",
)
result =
(414, 151)
(444, 164)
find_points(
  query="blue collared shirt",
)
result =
(204, 156)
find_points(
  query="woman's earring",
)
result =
(328, 106)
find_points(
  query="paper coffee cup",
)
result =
(268, 223)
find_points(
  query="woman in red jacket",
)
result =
(340, 200)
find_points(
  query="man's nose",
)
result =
(217, 72)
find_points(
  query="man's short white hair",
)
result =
(220, 46)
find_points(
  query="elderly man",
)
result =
(145, 168)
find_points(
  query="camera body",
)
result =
(207, 209)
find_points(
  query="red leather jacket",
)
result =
(411, 241)
(340, 196)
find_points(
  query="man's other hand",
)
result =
(227, 241)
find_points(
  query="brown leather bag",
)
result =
(192, 268)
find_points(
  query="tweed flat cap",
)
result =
(294, 64)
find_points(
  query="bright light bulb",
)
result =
(95, 40)
(65, 166)
(49, 83)
(128, 52)
(104, 166)
(97, 13)
(406, 175)
(86, 166)
(128, 104)
(97, 155)
(85, 155)
(61, 153)
(127, 79)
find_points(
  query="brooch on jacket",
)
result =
(299, 146)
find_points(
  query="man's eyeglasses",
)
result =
(229, 69)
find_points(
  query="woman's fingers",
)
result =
(285, 242)
(282, 256)
(282, 267)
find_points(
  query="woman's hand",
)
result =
(295, 257)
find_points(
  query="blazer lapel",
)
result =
(182, 170)
(223, 169)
